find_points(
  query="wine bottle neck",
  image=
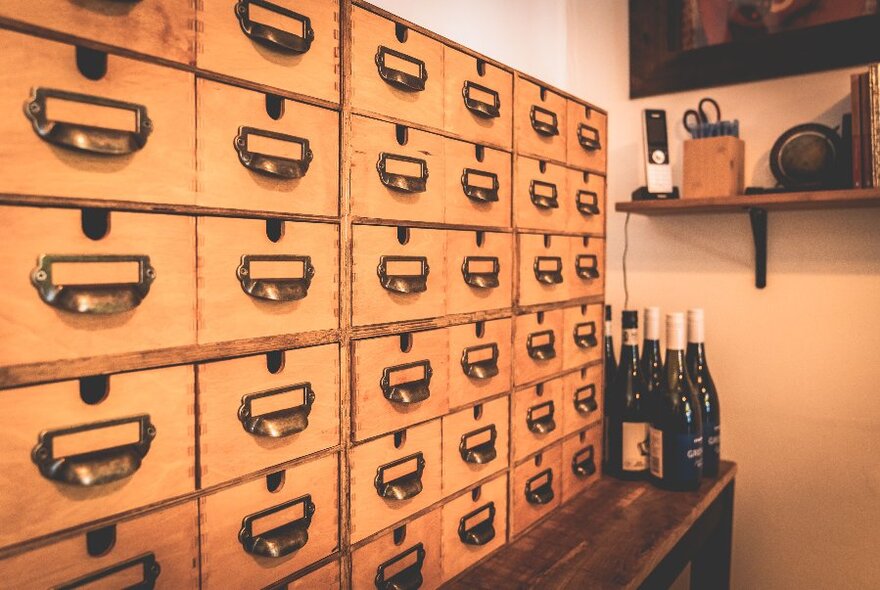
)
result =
(674, 361)
(697, 352)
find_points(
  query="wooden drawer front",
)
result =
(583, 401)
(226, 48)
(116, 555)
(537, 417)
(585, 202)
(251, 286)
(325, 577)
(479, 271)
(541, 195)
(403, 465)
(252, 418)
(478, 102)
(151, 110)
(149, 258)
(546, 270)
(408, 84)
(399, 380)
(584, 331)
(399, 274)
(536, 488)
(78, 451)
(474, 525)
(474, 444)
(586, 266)
(396, 172)
(540, 119)
(162, 28)
(289, 164)
(399, 558)
(240, 525)
(478, 185)
(538, 346)
(587, 137)
(581, 462)
(479, 361)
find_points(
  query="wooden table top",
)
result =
(612, 536)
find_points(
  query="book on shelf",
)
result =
(865, 101)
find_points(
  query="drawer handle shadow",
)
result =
(483, 110)
(403, 183)
(586, 339)
(544, 128)
(273, 37)
(402, 487)
(550, 201)
(482, 453)
(398, 78)
(281, 540)
(588, 137)
(482, 532)
(105, 141)
(483, 369)
(544, 424)
(483, 279)
(279, 423)
(96, 299)
(588, 202)
(543, 494)
(547, 276)
(146, 563)
(408, 578)
(587, 266)
(98, 467)
(587, 404)
(268, 165)
(289, 289)
(480, 194)
(404, 283)
(541, 352)
(582, 464)
(408, 392)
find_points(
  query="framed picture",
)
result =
(687, 44)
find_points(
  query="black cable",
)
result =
(625, 251)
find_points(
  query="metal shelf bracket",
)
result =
(758, 217)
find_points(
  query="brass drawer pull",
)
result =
(403, 282)
(146, 563)
(398, 78)
(402, 487)
(588, 137)
(585, 335)
(483, 279)
(273, 37)
(481, 453)
(545, 351)
(100, 466)
(541, 125)
(408, 578)
(480, 194)
(542, 494)
(268, 165)
(544, 423)
(482, 369)
(408, 392)
(482, 532)
(92, 298)
(543, 201)
(275, 289)
(277, 423)
(548, 276)
(585, 400)
(403, 183)
(85, 137)
(582, 464)
(482, 109)
(281, 540)
(587, 202)
(587, 266)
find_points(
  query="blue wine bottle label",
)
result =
(687, 457)
(711, 446)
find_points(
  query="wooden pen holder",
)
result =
(714, 167)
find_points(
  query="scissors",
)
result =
(698, 122)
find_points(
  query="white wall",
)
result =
(798, 363)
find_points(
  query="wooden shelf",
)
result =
(838, 199)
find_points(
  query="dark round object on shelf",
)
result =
(807, 157)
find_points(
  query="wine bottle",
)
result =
(677, 427)
(652, 363)
(610, 361)
(628, 418)
(707, 395)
